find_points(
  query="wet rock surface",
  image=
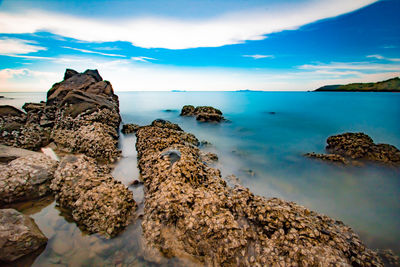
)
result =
(27, 177)
(354, 148)
(328, 157)
(190, 212)
(203, 113)
(98, 203)
(19, 235)
(129, 128)
(81, 115)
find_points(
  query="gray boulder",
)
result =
(19, 235)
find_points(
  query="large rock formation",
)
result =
(356, 147)
(19, 235)
(190, 212)
(98, 203)
(26, 177)
(203, 113)
(81, 115)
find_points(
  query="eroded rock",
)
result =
(203, 113)
(190, 212)
(19, 235)
(129, 128)
(98, 202)
(81, 115)
(27, 177)
(355, 148)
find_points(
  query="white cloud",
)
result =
(259, 56)
(12, 46)
(384, 58)
(143, 59)
(93, 52)
(23, 80)
(151, 32)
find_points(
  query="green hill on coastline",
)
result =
(391, 85)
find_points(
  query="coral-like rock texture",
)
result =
(356, 148)
(203, 113)
(98, 202)
(19, 235)
(129, 128)
(81, 115)
(190, 212)
(26, 178)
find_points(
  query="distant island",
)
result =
(391, 85)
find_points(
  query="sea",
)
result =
(262, 142)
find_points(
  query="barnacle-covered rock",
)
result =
(129, 128)
(26, 177)
(190, 212)
(203, 113)
(356, 147)
(81, 115)
(98, 202)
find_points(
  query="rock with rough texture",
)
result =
(26, 178)
(98, 202)
(20, 130)
(129, 128)
(328, 157)
(87, 116)
(203, 113)
(190, 212)
(81, 115)
(19, 235)
(355, 148)
(9, 153)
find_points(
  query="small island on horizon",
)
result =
(391, 85)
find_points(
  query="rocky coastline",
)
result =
(190, 212)
(80, 121)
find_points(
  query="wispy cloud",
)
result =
(156, 32)
(361, 66)
(143, 59)
(384, 58)
(93, 52)
(259, 56)
(12, 47)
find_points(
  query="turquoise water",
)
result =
(262, 144)
(271, 146)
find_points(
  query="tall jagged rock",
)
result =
(81, 115)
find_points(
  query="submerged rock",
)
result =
(328, 157)
(98, 202)
(19, 235)
(357, 147)
(203, 113)
(190, 212)
(129, 128)
(26, 177)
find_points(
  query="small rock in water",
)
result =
(129, 128)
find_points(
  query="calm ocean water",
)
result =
(262, 144)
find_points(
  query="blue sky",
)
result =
(159, 45)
